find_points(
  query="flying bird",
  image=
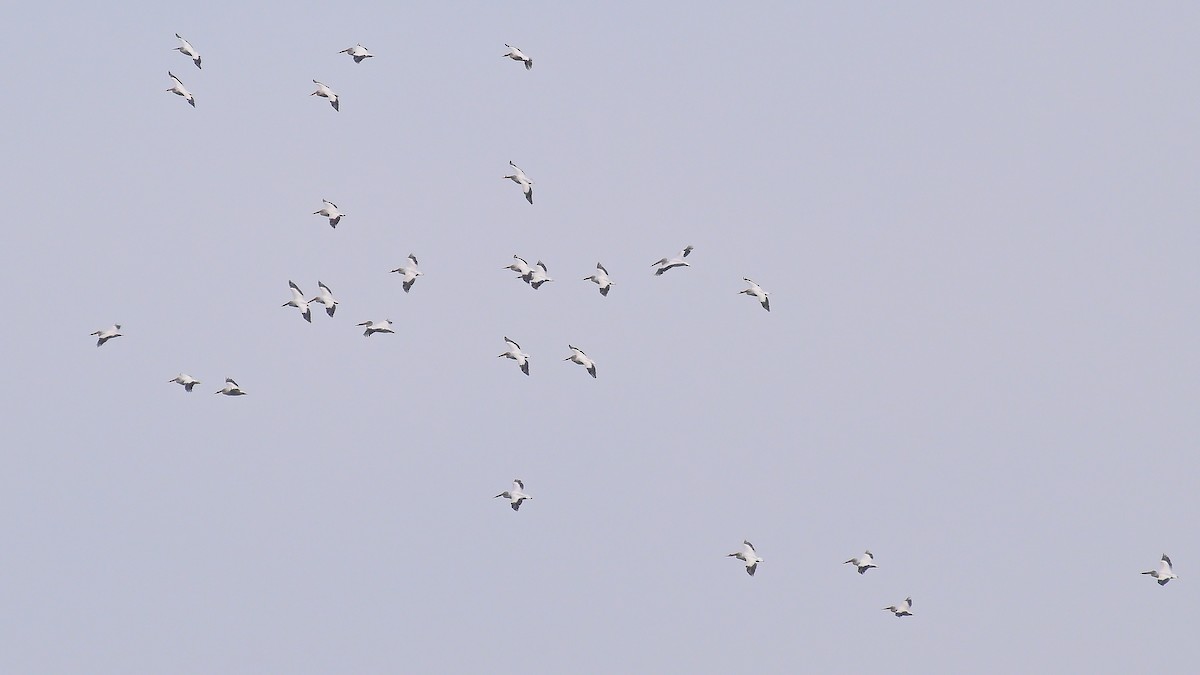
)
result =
(178, 88)
(514, 352)
(186, 380)
(188, 50)
(231, 388)
(1164, 573)
(325, 92)
(325, 297)
(758, 293)
(601, 279)
(748, 556)
(864, 562)
(516, 55)
(582, 359)
(330, 211)
(665, 264)
(519, 266)
(537, 275)
(357, 52)
(516, 495)
(107, 334)
(373, 327)
(299, 302)
(410, 272)
(903, 609)
(521, 179)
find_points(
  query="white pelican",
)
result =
(299, 302)
(231, 388)
(903, 609)
(107, 334)
(514, 496)
(520, 266)
(864, 562)
(748, 556)
(410, 272)
(373, 327)
(582, 359)
(665, 264)
(325, 297)
(601, 279)
(357, 52)
(188, 50)
(514, 352)
(516, 55)
(521, 179)
(186, 380)
(1164, 573)
(325, 92)
(330, 211)
(537, 275)
(178, 88)
(758, 293)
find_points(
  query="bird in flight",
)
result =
(325, 297)
(863, 563)
(601, 279)
(582, 359)
(1164, 573)
(373, 327)
(188, 50)
(358, 53)
(664, 264)
(325, 92)
(107, 334)
(330, 211)
(514, 352)
(537, 275)
(903, 609)
(299, 302)
(756, 292)
(409, 272)
(186, 380)
(516, 495)
(517, 55)
(178, 88)
(231, 388)
(521, 179)
(748, 556)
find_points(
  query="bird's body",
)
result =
(330, 210)
(537, 275)
(1165, 571)
(519, 266)
(516, 495)
(178, 88)
(863, 563)
(186, 380)
(188, 50)
(903, 609)
(106, 334)
(748, 556)
(409, 272)
(601, 279)
(373, 327)
(358, 53)
(517, 55)
(325, 92)
(299, 302)
(521, 179)
(514, 352)
(664, 264)
(231, 388)
(325, 297)
(577, 356)
(755, 291)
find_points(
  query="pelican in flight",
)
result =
(903, 609)
(357, 52)
(330, 211)
(299, 302)
(186, 380)
(1164, 573)
(582, 359)
(517, 55)
(757, 293)
(325, 297)
(537, 275)
(188, 50)
(864, 562)
(521, 179)
(325, 92)
(748, 556)
(373, 327)
(410, 272)
(514, 352)
(107, 334)
(516, 495)
(664, 264)
(178, 88)
(519, 266)
(231, 388)
(601, 279)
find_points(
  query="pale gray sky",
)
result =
(978, 225)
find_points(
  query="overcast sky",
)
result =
(978, 225)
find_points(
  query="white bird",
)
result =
(582, 359)
(514, 352)
(330, 211)
(864, 562)
(748, 556)
(325, 297)
(664, 264)
(373, 327)
(516, 495)
(178, 88)
(1164, 573)
(903, 609)
(186, 380)
(231, 388)
(107, 334)
(601, 279)
(537, 275)
(520, 266)
(299, 302)
(410, 272)
(357, 52)
(521, 179)
(188, 50)
(325, 92)
(758, 293)
(517, 55)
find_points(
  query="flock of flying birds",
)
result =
(535, 276)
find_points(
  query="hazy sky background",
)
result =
(977, 223)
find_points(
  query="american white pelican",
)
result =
(519, 266)
(325, 92)
(1164, 573)
(325, 297)
(178, 88)
(601, 279)
(903, 609)
(757, 293)
(516, 55)
(186, 380)
(299, 302)
(537, 275)
(231, 388)
(748, 556)
(864, 562)
(357, 52)
(516, 495)
(521, 179)
(665, 264)
(330, 211)
(410, 272)
(373, 327)
(188, 50)
(514, 352)
(582, 359)
(107, 334)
